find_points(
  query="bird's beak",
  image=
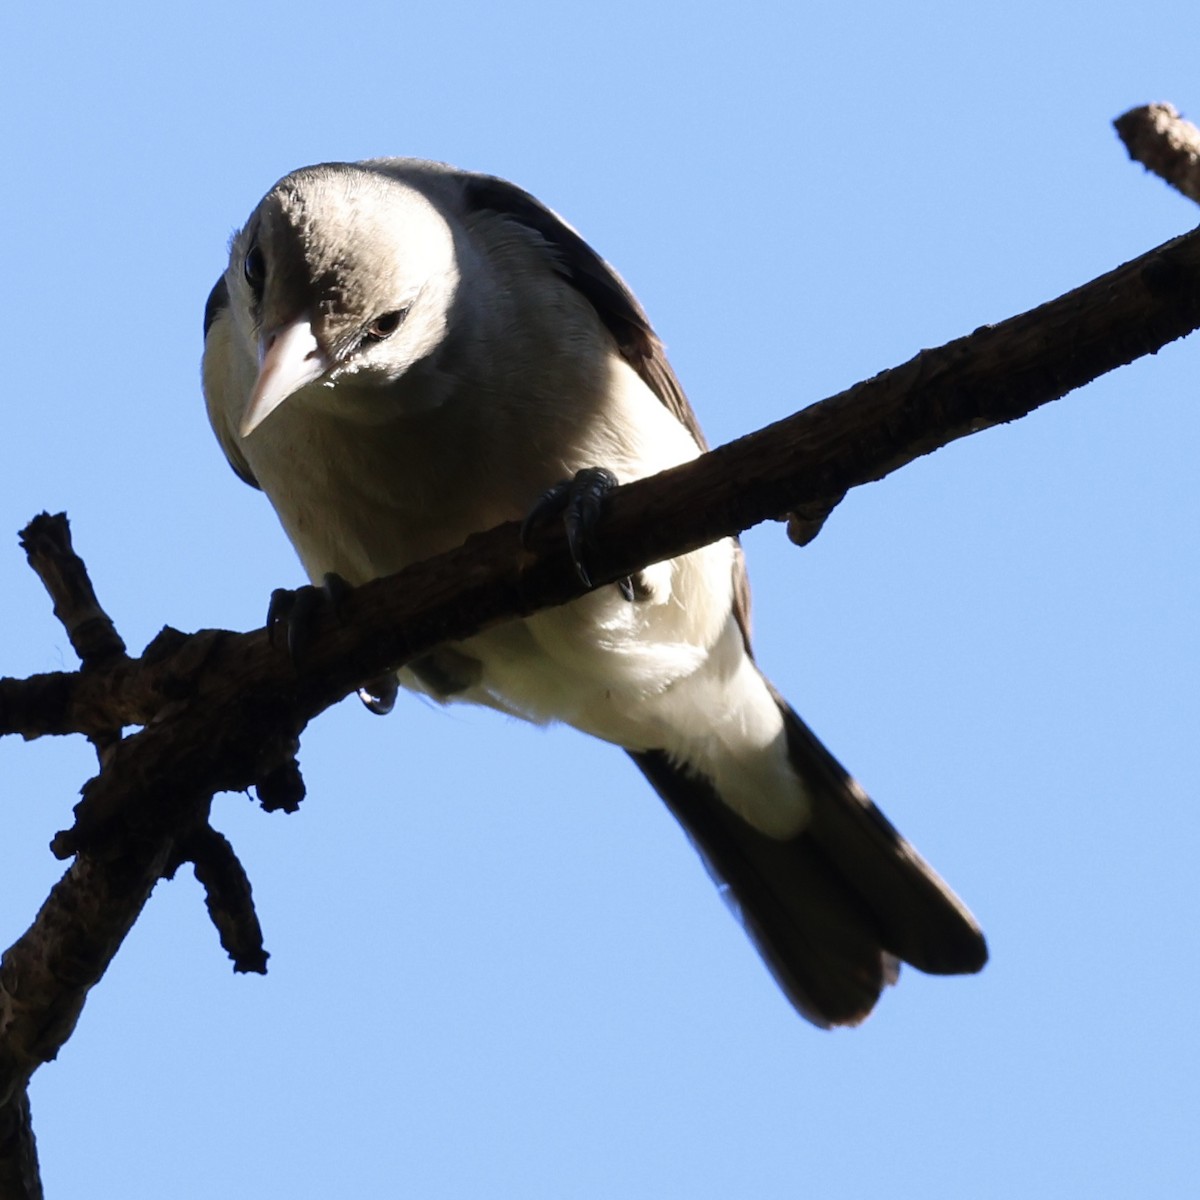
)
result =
(288, 359)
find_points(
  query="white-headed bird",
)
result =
(401, 354)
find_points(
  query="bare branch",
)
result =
(46, 541)
(19, 1176)
(46, 974)
(1165, 142)
(227, 894)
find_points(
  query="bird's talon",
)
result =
(279, 608)
(551, 504)
(626, 587)
(579, 501)
(307, 601)
(336, 590)
(291, 614)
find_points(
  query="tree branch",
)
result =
(47, 545)
(1163, 141)
(19, 1175)
(46, 975)
(227, 895)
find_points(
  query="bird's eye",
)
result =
(385, 325)
(254, 267)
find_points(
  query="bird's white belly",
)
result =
(706, 707)
(668, 671)
(599, 662)
(648, 675)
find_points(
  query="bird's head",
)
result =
(343, 278)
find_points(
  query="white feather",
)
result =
(501, 383)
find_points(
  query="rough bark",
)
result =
(1165, 142)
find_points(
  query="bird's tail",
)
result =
(835, 909)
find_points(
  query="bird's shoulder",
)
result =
(570, 256)
(598, 282)
(594, 278)
(618, 309)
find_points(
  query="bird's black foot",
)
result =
(294, 613)
(579, 503)
(292, 616)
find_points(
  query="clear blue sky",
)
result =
(497, 968)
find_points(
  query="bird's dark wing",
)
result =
(216, 304)
(218, 375)
(585, 270)
(617, 308)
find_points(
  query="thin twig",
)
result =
(1165, 142)
(46, 541)
(227, 894)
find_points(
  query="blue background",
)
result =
(497, 968)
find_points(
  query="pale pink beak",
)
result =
(288, 359)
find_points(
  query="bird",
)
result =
(401, 353)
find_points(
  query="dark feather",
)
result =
(920, 919)
(835, 909)
(615, 304)
(217, 303)
(216, 313)
(617, 308)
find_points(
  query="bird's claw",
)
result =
(292, 615)
(579, 502)
(290, 618)
(293, 612)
